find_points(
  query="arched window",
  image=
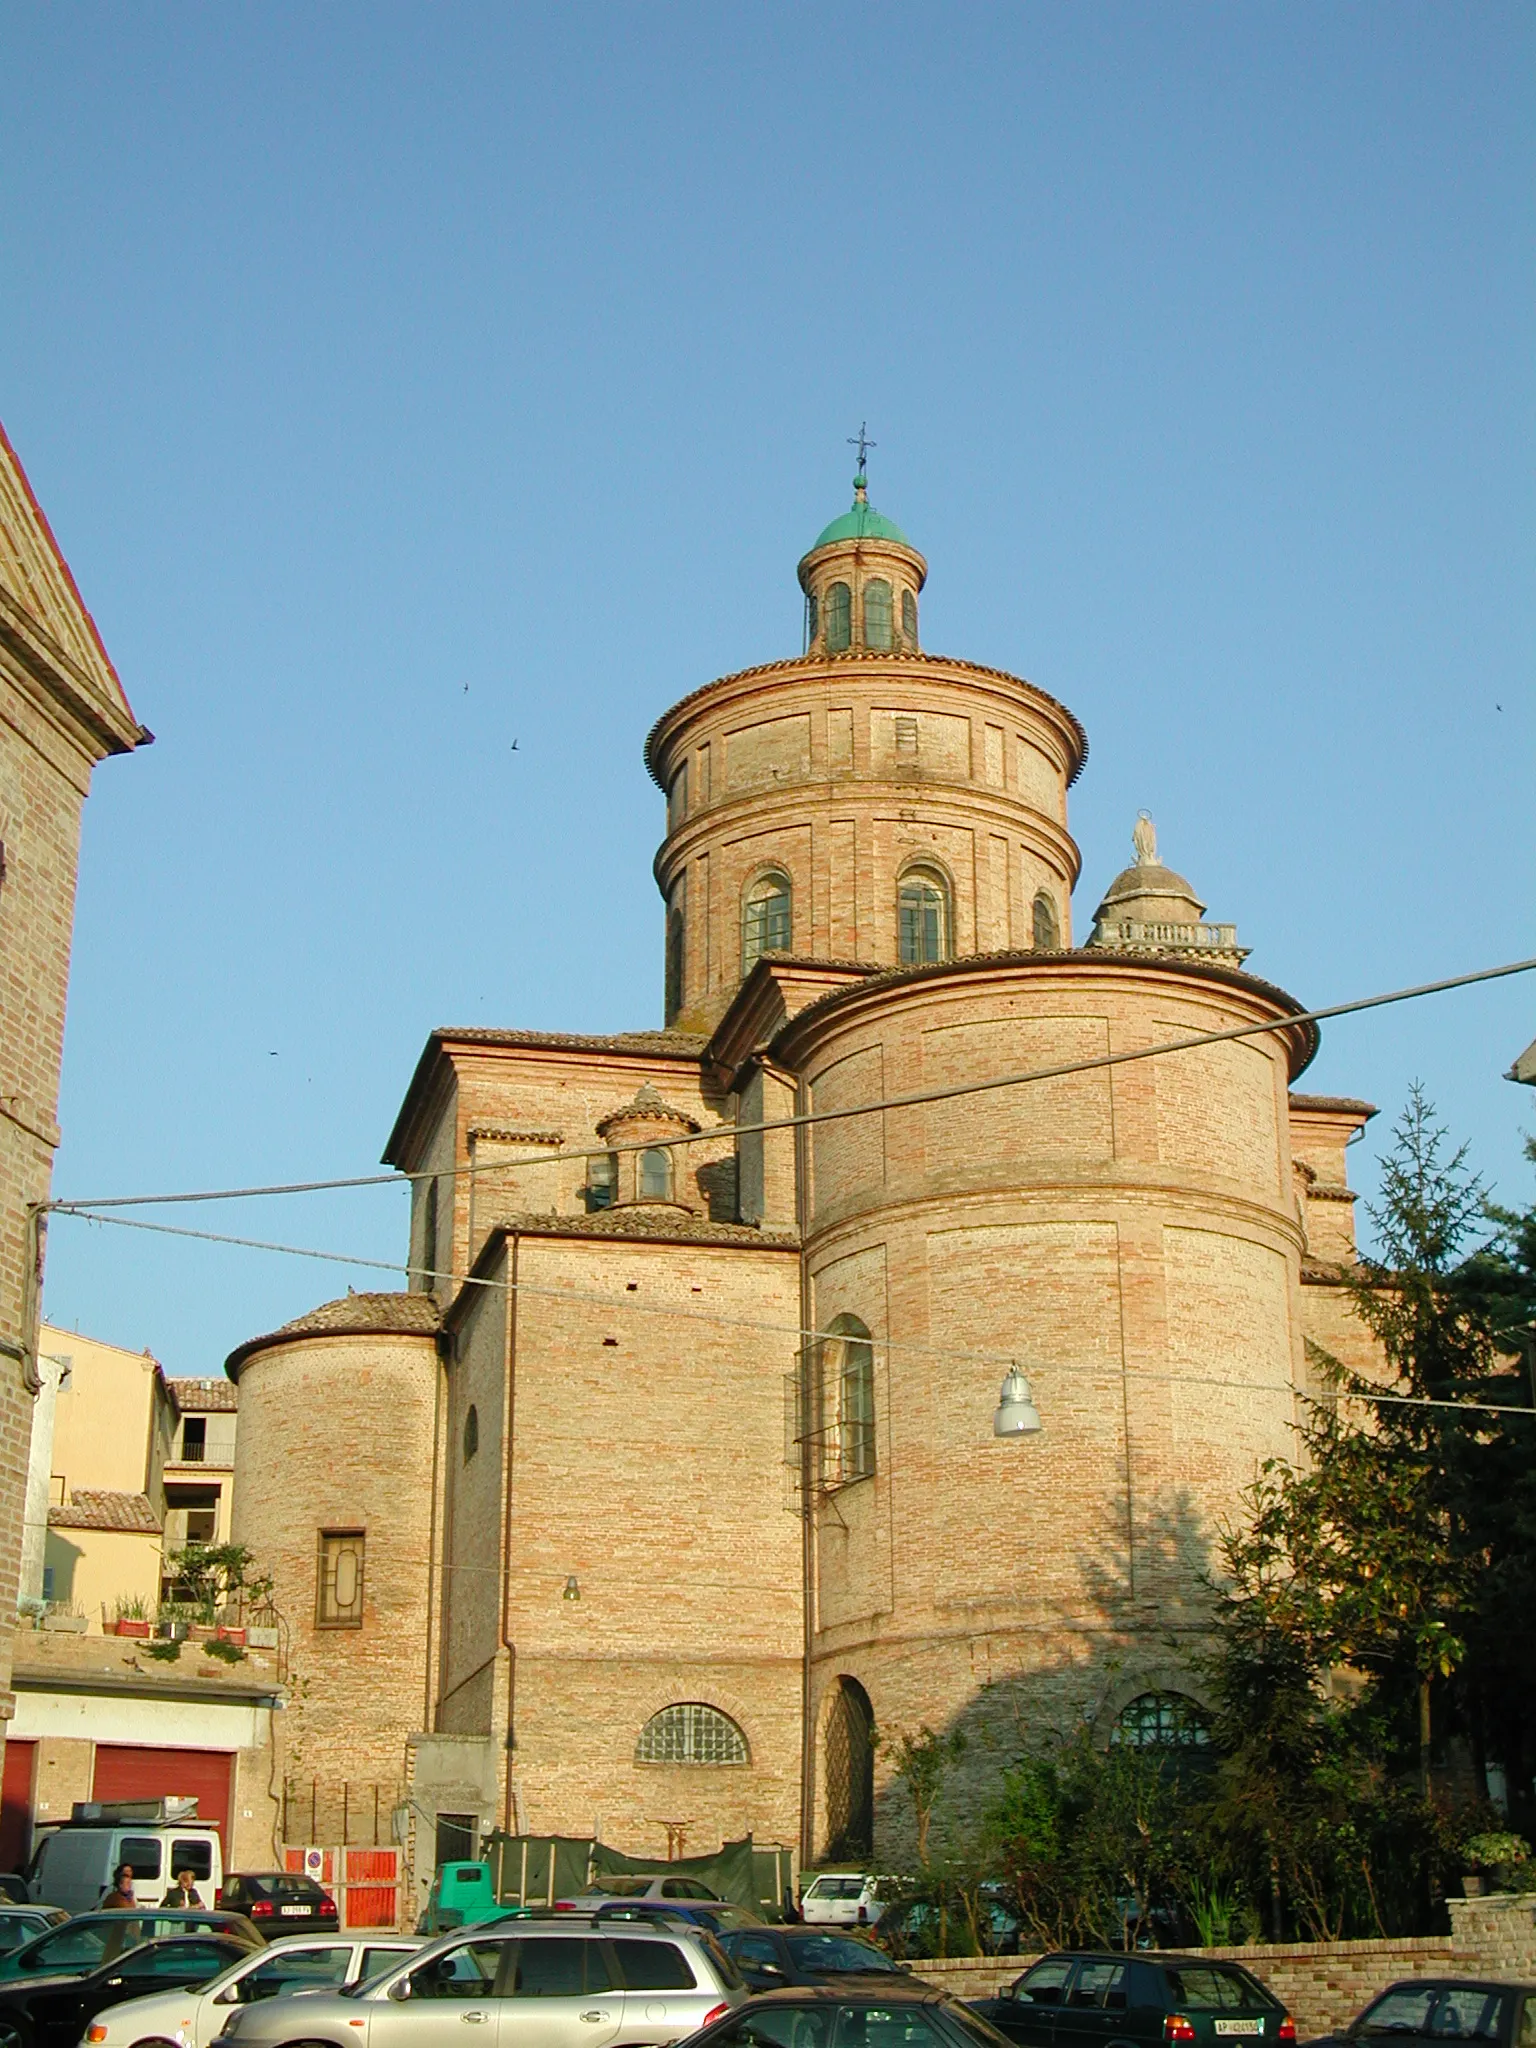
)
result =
(656, 1174)
(848, 1383)
(922, 917)
(909, 618)
(812, 618)
(839, 618)
(676, 959)
(877, 612)
(691, 1733)
(1046, 928)
(849, 1764)
(602, 1188)
(765, 919)
(471, 1432)
(1161, 1720)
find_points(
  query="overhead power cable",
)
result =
(911, 1100)
(797, 1332)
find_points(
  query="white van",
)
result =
(74, 1861)
(841, 1898)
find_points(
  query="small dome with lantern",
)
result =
(1148, 908)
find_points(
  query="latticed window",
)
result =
(1161, 1720)
(766, 919)
(877, 613)
(839, 618)
(691, 1733)
(656, 1174)
(922, 918)
(812, 619)
(1046, 929)
(339, 1592)
(909, 618)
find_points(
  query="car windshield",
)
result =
(836, 1888)
(82, 1945)
(1469, 2012)
(1208, 1988)
(834, 1953)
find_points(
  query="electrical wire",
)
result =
(800, 1334)
(914, 1099)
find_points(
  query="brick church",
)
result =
(706, 1443)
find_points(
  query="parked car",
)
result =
(1441, 2009)
(53, 2012)
(903, 2015)
(717, 1916)
(20, 1924)
(193, 2015)
(1101, 1996)
(638, 1887)
(76, 1947)
(912, 1930)
(73, 1864)
(280, 1902)
(543, 1983)
(841, 1898)
(13, 1886)
(770, 1957)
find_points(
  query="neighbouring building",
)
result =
(62, 709)
(701, 1446)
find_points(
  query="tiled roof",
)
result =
(204, 1397)
(91, 1507)
(659, 1222)
(678, 1044)
(395, 1314)
(1346, 1105)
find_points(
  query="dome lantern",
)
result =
(861, 577)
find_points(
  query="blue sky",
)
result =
(402, 381)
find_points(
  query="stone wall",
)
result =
(1325, 1983)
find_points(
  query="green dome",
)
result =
(862, 522)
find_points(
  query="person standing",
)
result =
(120, 1898)
(184, 1891)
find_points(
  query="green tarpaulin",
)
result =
(535, 1870)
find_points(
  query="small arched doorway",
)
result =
(849, 1757)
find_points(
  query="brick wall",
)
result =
(1324, 1984)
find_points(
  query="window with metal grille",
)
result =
(691, 1733)
(1161, 1720)
(194, 1440)
(839, 618)
(656, 1174)
(922, 918)
(909, 618)
(766, 921)
(339, 1593)
(877, 613)
(812, 619)
(1047, 932)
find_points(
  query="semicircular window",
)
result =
(1162, 1720)
(691, 1733)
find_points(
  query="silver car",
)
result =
(574, 1980)
(303, 1962)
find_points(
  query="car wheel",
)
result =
(155, 2041)
(14, 2033)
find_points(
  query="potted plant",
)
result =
(130, 1616)
(173, 1624)
(64, 1618)
(1496, 1862)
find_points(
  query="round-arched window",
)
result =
(691, 1733)
(471, 1432)
(766, 918)
(922, 917)
(656, 1174)
(909, 618)
(1161, 1720)
(839, 618)
(1046, 928)
(877, 612)
(848, 1390)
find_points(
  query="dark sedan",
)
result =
(280, 1902)
(853, 2015)
(91, 1939)
(1101, 1999)
(53, 2012)
(772, 1957)
(1435, 2010)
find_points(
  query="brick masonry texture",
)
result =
(1154, 1244)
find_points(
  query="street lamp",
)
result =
(1016, 1413)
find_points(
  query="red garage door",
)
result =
(16, 1804)
(128, 1771)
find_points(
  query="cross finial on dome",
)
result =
(1144, 839)
(863, 443)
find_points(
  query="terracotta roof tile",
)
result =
(658, 1222)
(204, 1397)
(395, 1314)
(92, 1507)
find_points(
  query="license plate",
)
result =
(1239, 2026)
(302, 1913)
